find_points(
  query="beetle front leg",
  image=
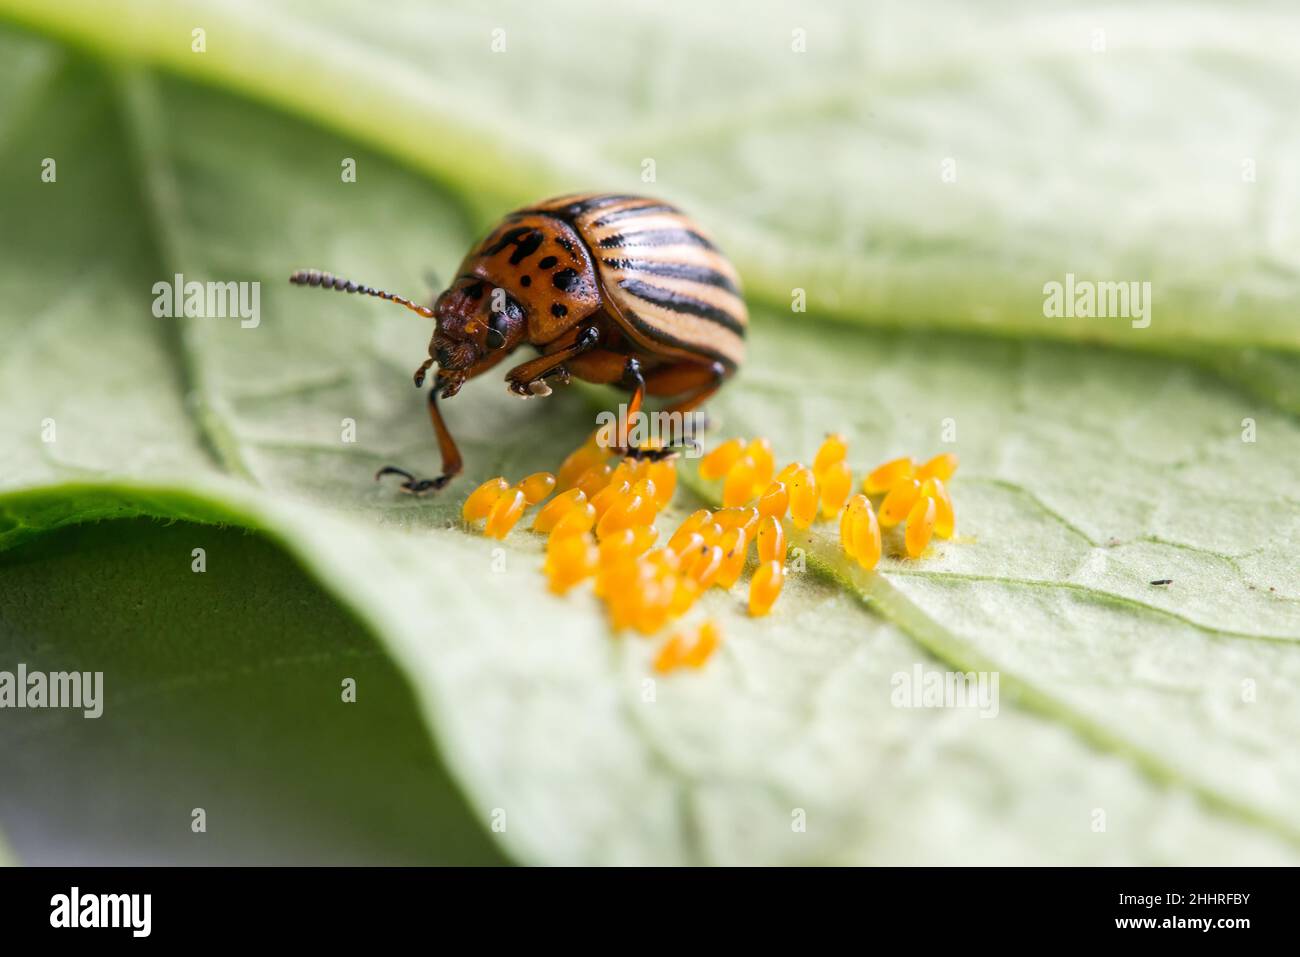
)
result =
(451, 460)
(526, 379)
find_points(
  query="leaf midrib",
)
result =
(135, 99)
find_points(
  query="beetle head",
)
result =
(476, 322)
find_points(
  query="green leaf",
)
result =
(221, 691)
(1087, 471)
(959, 162)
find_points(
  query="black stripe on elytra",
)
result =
(621, 214)
(656, 237)
(653, 332)
(527, 246)
(677, 302)
(671, 270)
(586, 205)
(572, 211)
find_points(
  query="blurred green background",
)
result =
(918, 171)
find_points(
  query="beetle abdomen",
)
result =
(667, 283)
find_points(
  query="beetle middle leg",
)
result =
(695, 383)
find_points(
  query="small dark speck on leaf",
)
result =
(1163, 581)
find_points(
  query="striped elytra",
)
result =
(660, 275)
(608, 288)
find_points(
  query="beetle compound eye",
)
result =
(496, 334)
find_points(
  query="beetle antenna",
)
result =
(314, 277)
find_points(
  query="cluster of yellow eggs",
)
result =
(916, 496)
(909, 494)
(600, 525)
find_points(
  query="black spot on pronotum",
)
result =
(547, 262)
(1163, 581)
(563, 279)
(525, 239)
(509, 238)
(526, 247)
(559, 310)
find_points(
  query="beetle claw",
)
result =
(413, 485)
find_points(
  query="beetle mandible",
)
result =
(610, 288)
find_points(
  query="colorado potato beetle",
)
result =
(613, 289)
